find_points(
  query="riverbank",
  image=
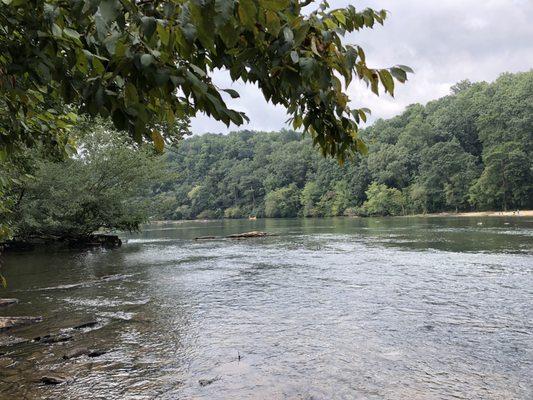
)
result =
(94, 240)
(521, 213)
(469, 214)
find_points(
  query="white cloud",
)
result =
(444, 41)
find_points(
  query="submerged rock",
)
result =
(50, 339)
(96, 353)
(82, 351)
(8, 302)
(14, 322)
(205, 382)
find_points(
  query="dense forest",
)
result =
(469, 150)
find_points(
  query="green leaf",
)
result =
(288, 35)
(294, 57)
(339, 15)
(164, 34)
(223, 11)
(247, 13)
(406, 68)
(131, 96)
(109, 10)
(233, 93)
(71, 33)
(149, 26)
(82, 63)
(274, 5)
(330, 23)
(202, 18)
(98, 66)
(387, 81)
(399, 74)
(273, 23)
(313, 46)
(159, 142)
(147, 60)
(56, 31)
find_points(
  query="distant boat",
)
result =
(252, 217)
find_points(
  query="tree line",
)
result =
(470, 150)
(146, 68)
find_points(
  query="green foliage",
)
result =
(445, 156)
(507, 179)
(383, 200)
(146, 64)
(283, 202)
(106, 185)
(447, 172)
(309, 199)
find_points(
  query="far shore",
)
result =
(515, 213)
(520, 213)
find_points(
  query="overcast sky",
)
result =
(444, 41)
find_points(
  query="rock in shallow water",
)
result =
(82, 351)
(53, 379)
(14, 322)
(205, 382)
(96, 353)
(88, 324)
(50, 339)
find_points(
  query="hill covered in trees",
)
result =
(469, 150)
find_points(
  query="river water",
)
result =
(398, 308)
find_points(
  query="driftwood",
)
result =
(245, 235)
(205, 238)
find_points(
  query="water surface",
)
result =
(398, 308)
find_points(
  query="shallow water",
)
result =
(398, 308)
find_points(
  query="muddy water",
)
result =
(404, 308)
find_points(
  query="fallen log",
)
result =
(246, 235)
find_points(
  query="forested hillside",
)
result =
(469, 150)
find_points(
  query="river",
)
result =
(377, 308)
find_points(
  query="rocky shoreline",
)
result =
(32, 243)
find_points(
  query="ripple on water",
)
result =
(369, 313)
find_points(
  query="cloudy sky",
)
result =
(444, 41)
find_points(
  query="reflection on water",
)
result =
(399, 308)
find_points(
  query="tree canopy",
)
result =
(469, 150)
(106, 185)
(149, 63)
